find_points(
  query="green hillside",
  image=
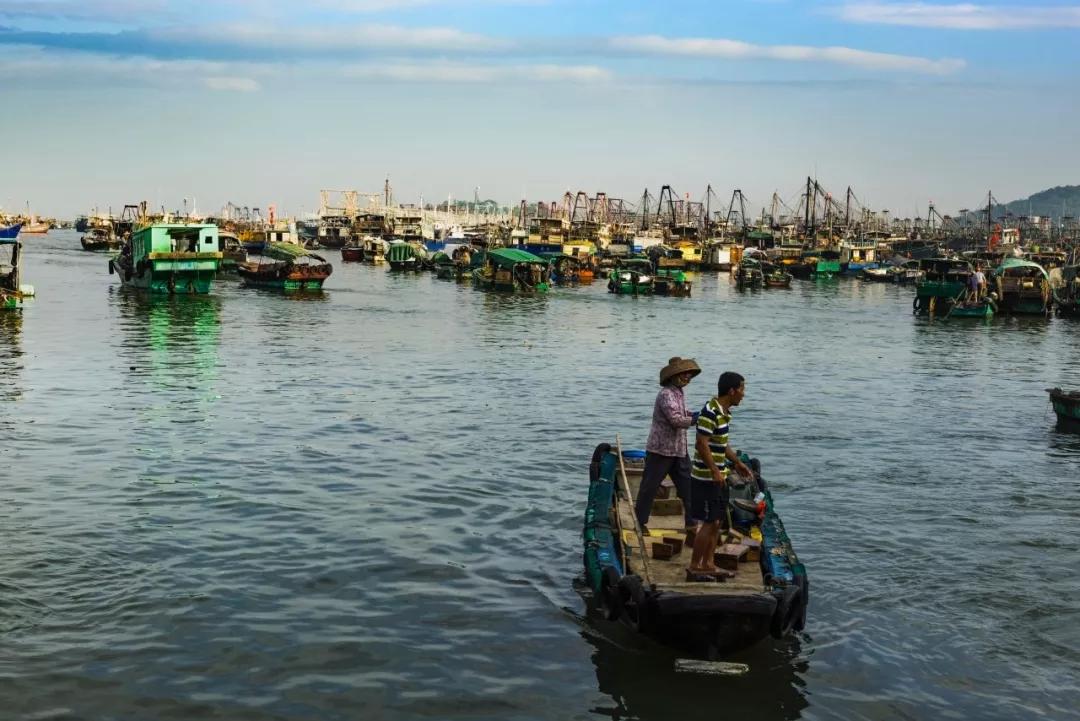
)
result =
(1055, 202)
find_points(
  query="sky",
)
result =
(260, 102)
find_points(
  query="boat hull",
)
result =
(351, 254)
(1066, 408)
(95, 245)
(701, 619)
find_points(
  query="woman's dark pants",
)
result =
(656, 468)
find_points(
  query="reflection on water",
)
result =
(642, 683)
(11, 354)
(243, 507)
(170, 344)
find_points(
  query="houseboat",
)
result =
(173, 258)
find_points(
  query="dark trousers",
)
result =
(656, 468)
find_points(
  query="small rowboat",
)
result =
(640, 577)
(1067, 407)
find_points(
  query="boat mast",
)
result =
(806, 219)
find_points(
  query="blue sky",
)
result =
(266, 101)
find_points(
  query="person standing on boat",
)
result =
(665, 451)
(708, 487)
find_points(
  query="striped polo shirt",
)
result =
(712, 422)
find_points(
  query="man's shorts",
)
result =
(708, 501)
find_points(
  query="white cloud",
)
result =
(232, 84)
(738, 50)
(358, 37)
(962, 16)
(444, 72)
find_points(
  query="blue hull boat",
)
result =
(10, 232)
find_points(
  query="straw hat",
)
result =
(676, 366)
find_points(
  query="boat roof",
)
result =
(1010, 263)
(512, 256)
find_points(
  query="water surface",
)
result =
(368, 504)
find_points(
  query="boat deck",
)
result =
(666, 520)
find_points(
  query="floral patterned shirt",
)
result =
(670, 419)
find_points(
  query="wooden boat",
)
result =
(1067, 293)
(443, 265)
(775, 275)
(748, 273)
(900, 271)
(406, 256)
(1067, 408)
(232, 250)
(641, 580)
(12, 292)
(352, 252)
(512, 270)
(374, 249)
(632, 276)
(1023, 287)
(982, 309)
(35, 226)
(99, 239)
(666, 257)
(568, 269)
(672, 282)
(285, 266)
(173, 258)
(945, 283)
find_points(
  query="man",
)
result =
(665, 451)
(978, 282)
(708, 487)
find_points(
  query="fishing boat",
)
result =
(748, 273)
(374, 249)
(640, 578)
(12, 292)
(99, 239)
(443, 265)
(173, 258)
(673, 283)
(632, 276)
(1023, 287)
(333, 231)
(568, 269)
(944, 291)
(10, 232)
(899, 270)
(513, 270)
(285, 266)
(1067, 408)
(720, 254)
(776, 276)
(406, 256)
(352, 251)
(1067, 293)
(232, 250)
(35, 226)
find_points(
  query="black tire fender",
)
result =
(804, 602)
(610, 595)
(635, 602)
(787, 608)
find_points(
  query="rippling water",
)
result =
(368, 504)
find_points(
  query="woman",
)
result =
(665, 451)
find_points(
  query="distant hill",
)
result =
(1055, 202)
